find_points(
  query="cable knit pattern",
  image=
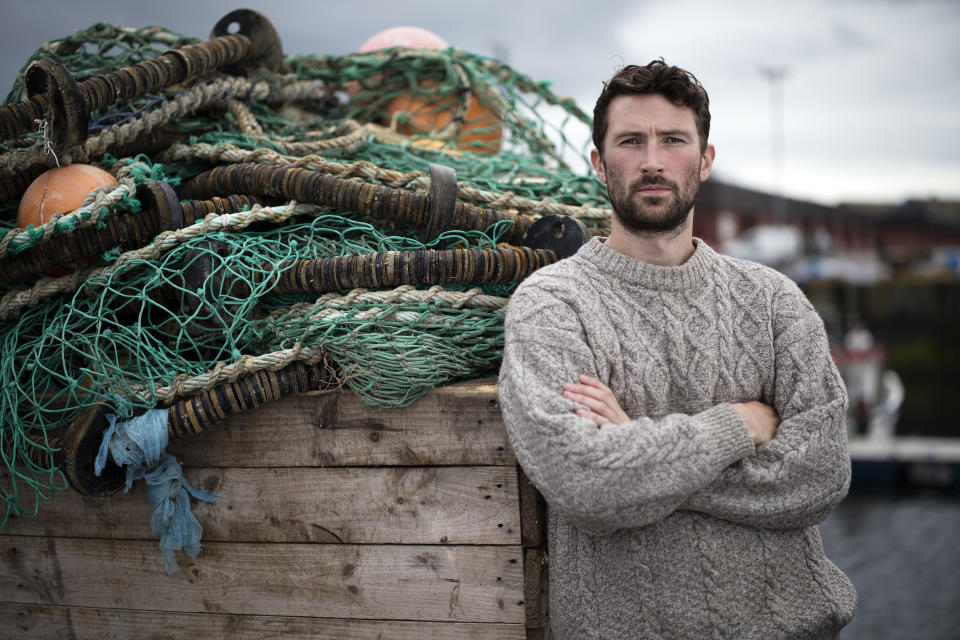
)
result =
(674, 525)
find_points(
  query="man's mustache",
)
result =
(649, 181)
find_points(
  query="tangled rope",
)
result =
(193, 308)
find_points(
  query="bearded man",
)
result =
(678, 409)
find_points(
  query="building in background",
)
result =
(853, 243)
(886, 280)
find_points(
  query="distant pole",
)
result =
(775, 75)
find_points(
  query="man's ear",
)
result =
(597, 161)
(706, 162)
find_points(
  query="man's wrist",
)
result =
(728, 432)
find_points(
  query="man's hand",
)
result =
(762, 420)
(602, 406)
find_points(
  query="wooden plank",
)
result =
(533, 512)
(394, 505)
(38, 622)
(535, 585)
(453, 425)
(428, 583)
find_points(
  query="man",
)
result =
(678, 409)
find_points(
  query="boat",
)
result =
(882, 459)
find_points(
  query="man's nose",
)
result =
(652, 160)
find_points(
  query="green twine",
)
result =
(121, 337)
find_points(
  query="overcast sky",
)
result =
(871, 95)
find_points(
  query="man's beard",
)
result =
(638, 216)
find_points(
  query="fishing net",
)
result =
(131, 329)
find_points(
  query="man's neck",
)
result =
(663, 248)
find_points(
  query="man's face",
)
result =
(651, 163)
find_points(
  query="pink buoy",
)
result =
(409, 37)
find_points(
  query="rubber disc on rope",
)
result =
(563, 235)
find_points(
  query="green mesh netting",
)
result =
(129, 331)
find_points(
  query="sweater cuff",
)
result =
(726, 432)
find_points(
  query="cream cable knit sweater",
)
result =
(674, 525)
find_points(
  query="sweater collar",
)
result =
(690, 274)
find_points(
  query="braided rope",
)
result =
(89, 280)
(327, 307)
(355, 137)
(97, 206)
(369, 172)
(140, 328)
(407, 294)
(379, 314)
(184, 385)
(221, 90)
(465, 65)
(218, 91)
(183, 104)
(99, 200)
(245, 119)
(332, 304)
(496, 68)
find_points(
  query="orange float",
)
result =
(481, 129)
(60, 190)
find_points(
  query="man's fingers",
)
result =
(590, 380)
(598, 398)
(603, 394)
(590, 415)
(594, 404)
(583, 390)
(598, 401)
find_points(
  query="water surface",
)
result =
(902, 552)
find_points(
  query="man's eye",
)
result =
(674, 140)
(630, 141)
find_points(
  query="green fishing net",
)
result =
(130, 331)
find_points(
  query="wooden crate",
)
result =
(335, 520)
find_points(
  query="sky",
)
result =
(870, 106)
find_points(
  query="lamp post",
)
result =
(774, 74)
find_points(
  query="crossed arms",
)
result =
(781, 466)
(602, 408)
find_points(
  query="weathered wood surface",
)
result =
(38, 622)
(427, 583)
(535, 587)
(533, 512)
(455, 425)
(393, 505)
(335, 520)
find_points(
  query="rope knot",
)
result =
(44, 127)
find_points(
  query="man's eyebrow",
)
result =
(630, 134)
(643, 134)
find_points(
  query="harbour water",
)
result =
(902, 551)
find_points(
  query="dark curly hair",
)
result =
(675, 84)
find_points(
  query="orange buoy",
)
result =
(481, 129)
(60, 190)
(433, 144)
